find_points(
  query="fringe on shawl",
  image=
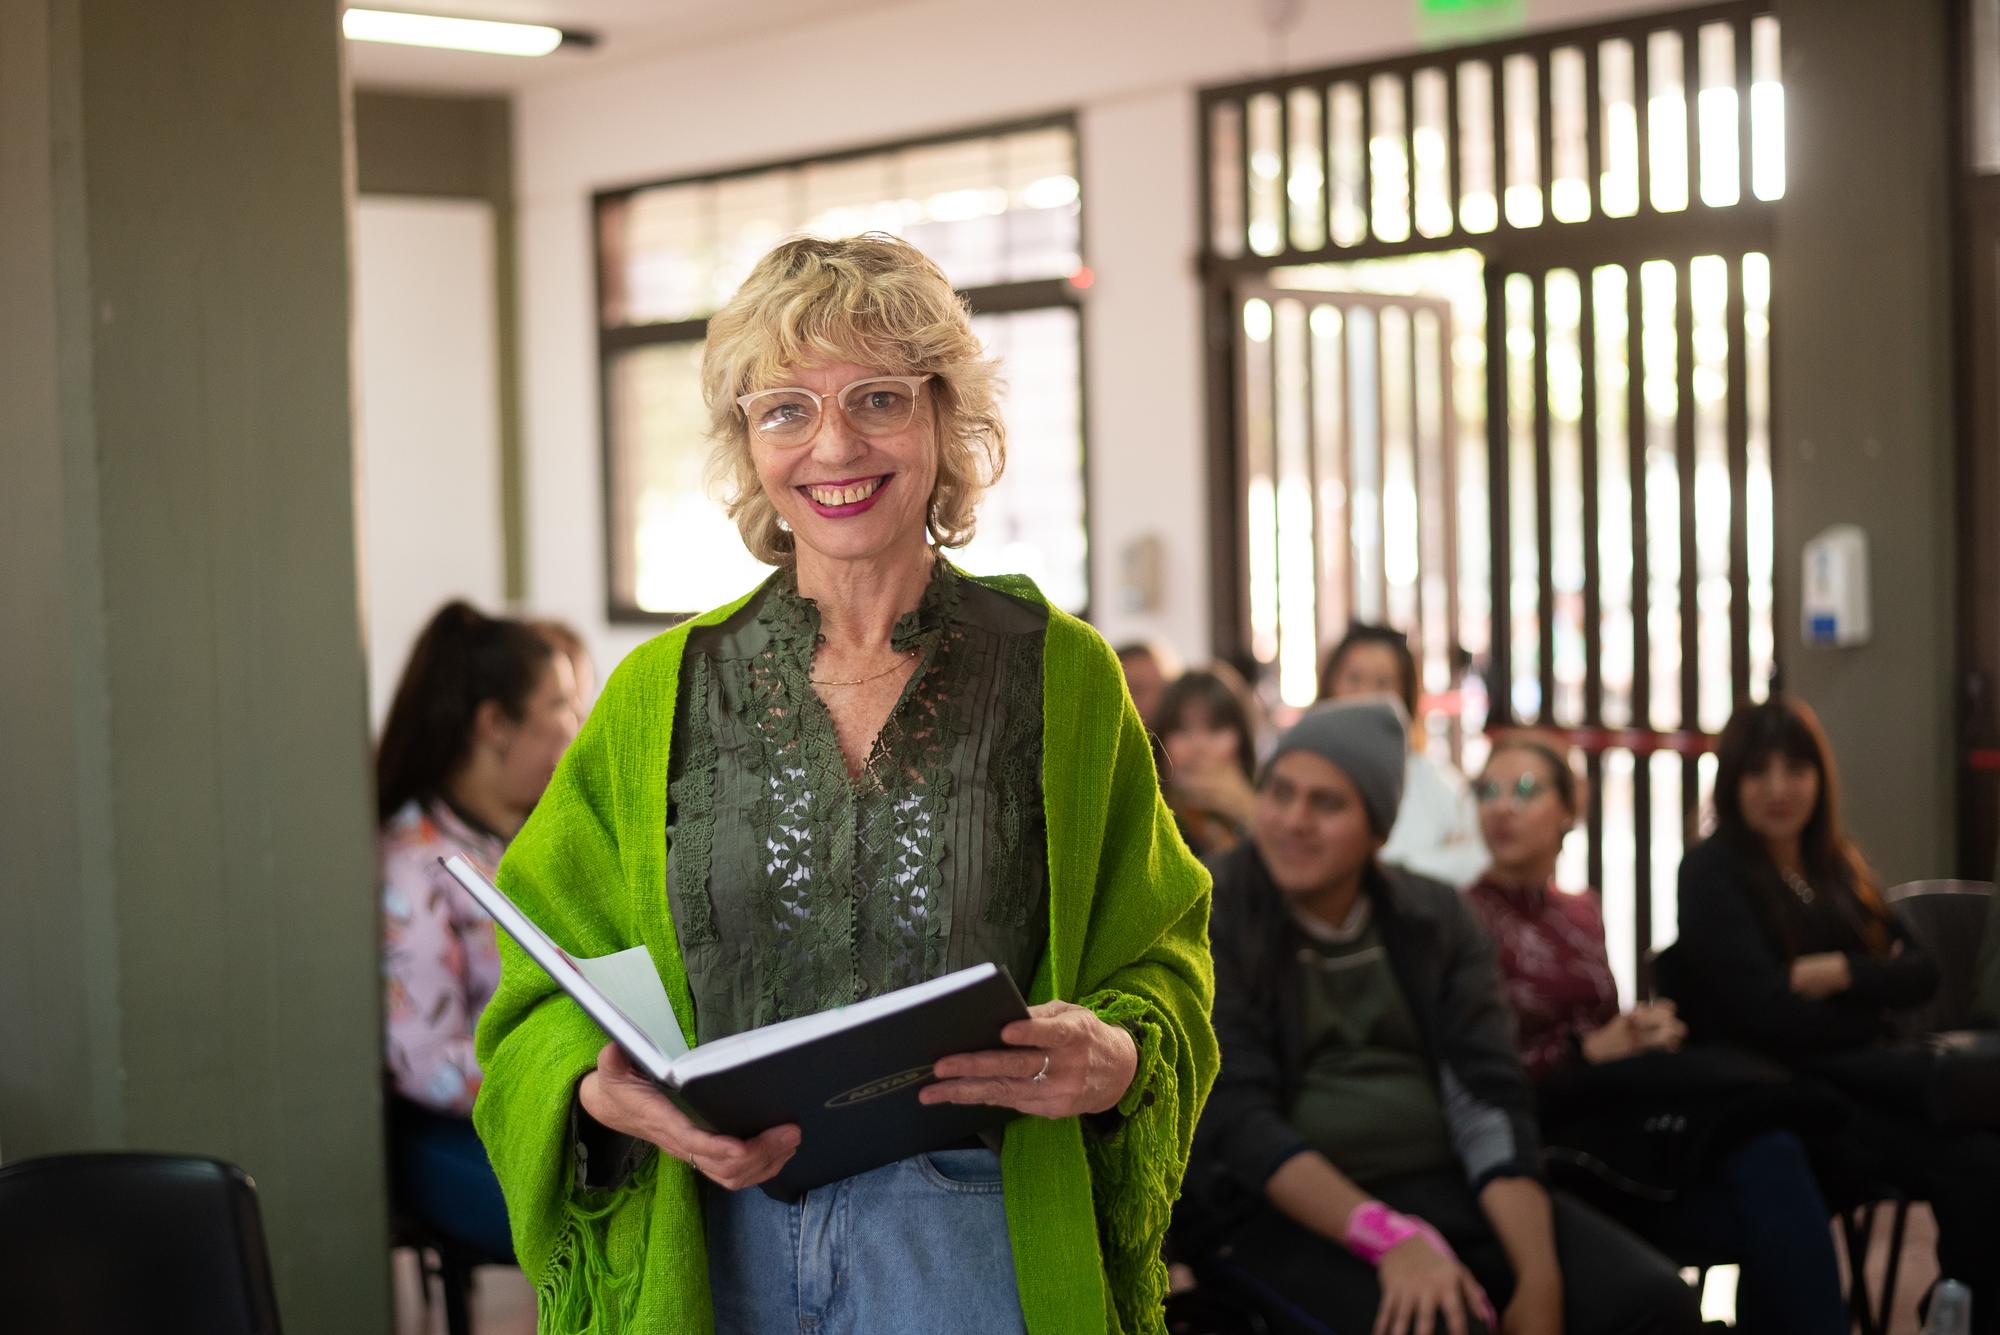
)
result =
(1136, 1171)
(582, 1287)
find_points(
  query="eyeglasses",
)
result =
(1521, 792)
(878, 405)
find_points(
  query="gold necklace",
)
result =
(860, 681)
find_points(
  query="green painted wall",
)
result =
(186, 844)
(1862, 382)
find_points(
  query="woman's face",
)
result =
(531, 745)
(1368, 669)
(1310, 826)
(845, 496)
(1196, 744)
(1778, 795)
(1521, 814)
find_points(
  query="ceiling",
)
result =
(626, 30)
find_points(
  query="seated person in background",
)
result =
(1210, 740)
(1740, 1188)
(1986, 1000)
(1367, 1160)
(1786, 947)
(562, 637)
(1437, 832)
(1149, 665)
(481, 716)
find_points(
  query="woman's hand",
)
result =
(1821, 976)
(1425, 1290)
(1086, 1066)
(1611, 1041)
(621, 1098)
(1656, 1028)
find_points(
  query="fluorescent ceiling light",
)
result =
(485, 35)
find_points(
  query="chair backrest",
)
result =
(1947, 918)
(105, 1244)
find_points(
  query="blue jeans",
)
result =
(918, 1247)
(445, 1180)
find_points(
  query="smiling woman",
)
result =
(870, 771)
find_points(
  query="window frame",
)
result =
(989, 299)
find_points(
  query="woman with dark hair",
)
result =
(479, 720)
(1206, 730)
(1787, 947)
(1690, 1150)
(1437, 834)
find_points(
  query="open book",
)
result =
(848, 1077)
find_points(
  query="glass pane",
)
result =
(1388, 159)
(1708, 295)
(682, 552)
(1350, 217)
(1563, 305)
(1400, 536)
(1666, 121)
(1668, 841)
(752, 214)
(954, 203)
(1044, 208)
(1767, 111)
(1306, 190)
(669, 254)
(1524, 150)
(1524, 589)
(1364, 459)
(843, 197)
(1757, 497)
(1659, 295)
(1620, 891)
(1479, 191)
(1721, 176)
(1298, 629)
(1225, 183)
(1267, 190)
(1618, 186)
(1330, 452)
(1032, 520)
(1431, 146)
(1260, 517)
(1614, 495)
(1569, 190)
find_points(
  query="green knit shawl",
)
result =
(1128, 937)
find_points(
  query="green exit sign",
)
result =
(1453, 22)
(1464, 6)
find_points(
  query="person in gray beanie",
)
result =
(1368, 1158)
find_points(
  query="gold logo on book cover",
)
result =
(876, 1088)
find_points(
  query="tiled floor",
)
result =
(503, 1304)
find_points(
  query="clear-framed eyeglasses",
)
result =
(878, 405)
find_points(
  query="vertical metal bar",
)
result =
(1409, 82)
(1448, 482)
(1498, 65)
(1317, 523)
(1381, 466)
(1545, 575)
(1276, 461)
(1593, 772)
(1739, 502)
(1451, 137)
(1593, 591)
(1642, 116)
(1642, 639)
(1642, 870)
(1344, 360)
(1593, 126)
(1244, 175)
(1744, 193)
(1691, 108)
(1684, 463)
(1500, 689)
(1326, 158)
(1206, 166)
(1545, 131)
(1284, 171)
(1417, 473)
(1367, 87)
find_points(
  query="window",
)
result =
(999, 209)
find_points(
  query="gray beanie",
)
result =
(1367, 739)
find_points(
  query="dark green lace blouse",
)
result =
(795, 888)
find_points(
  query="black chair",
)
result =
(108, 1244)
(440, 1258)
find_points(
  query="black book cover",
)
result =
(853, 1094)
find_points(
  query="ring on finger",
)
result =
(1043, 1074)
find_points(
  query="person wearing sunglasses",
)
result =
(1693, 1151)
(871, 770)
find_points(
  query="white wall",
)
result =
(1130, 68)
(429, 447)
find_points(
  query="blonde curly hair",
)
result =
(874, 300)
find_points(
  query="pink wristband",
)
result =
(1374, 1230)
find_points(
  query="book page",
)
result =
(629, 980)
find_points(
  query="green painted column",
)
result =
(1862, 390)
(188, 932)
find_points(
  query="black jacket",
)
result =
(1444, 963)
(1732, 975)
